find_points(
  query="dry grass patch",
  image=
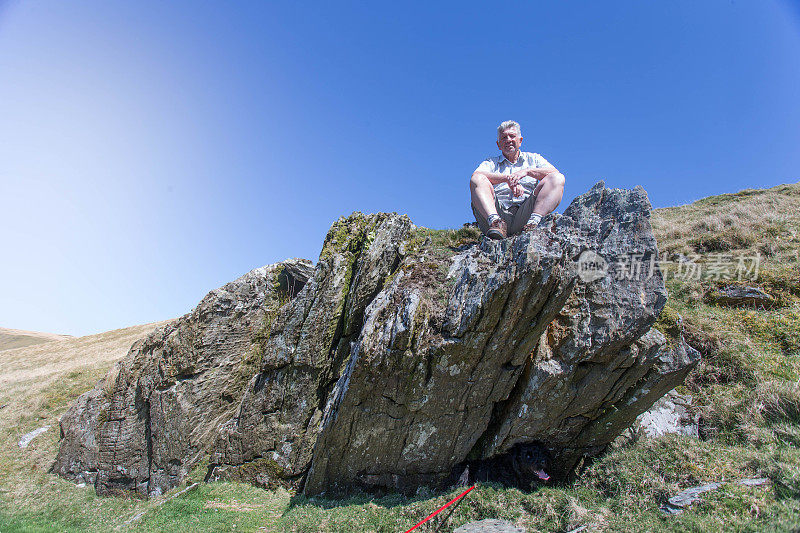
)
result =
(45, 360)
(754, 220)
(233, 505)
(17, 338)
(38, 382)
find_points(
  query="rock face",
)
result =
(402, 354)
(156, 413)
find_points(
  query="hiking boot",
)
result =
(530, 226)
(497, 230)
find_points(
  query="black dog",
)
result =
(520, 467)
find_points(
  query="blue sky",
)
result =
(152, 151)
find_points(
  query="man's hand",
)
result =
(535, 173)
(513, 179)
(513, 182)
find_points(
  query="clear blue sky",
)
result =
(152, 151)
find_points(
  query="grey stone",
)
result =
(754, 482)
(738, 296)
(490, 525)
(676, 504)
(671, 414)
(26, 439)
(692, 495)
(598, 365)
(399, 356)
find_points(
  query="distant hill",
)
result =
(47, 356)
(17, 338)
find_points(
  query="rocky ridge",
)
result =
(402, 353)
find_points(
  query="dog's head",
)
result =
(531, 461)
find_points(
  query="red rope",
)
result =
(442, 508)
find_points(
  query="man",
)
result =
(513, 191)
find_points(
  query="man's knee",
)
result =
(479, 181)
(555, 179)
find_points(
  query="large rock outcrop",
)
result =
(403, 353)
(158, 411)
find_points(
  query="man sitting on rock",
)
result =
(513, 191)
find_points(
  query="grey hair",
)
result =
(508, 124)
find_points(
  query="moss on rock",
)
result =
(669, 323)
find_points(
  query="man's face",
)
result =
(509, 141)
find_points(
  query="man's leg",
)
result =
(482, 224)
(549, 192)
(482, 195)
(491, 219)
(522, 215)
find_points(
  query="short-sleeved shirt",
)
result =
(500, 165)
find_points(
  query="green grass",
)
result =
(745, 390)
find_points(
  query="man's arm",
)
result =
(487, 170)
(513, 179)
(533, 172)
(537, 173)
(493, 177)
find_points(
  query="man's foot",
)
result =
(533, 222)
(497, 229)
(530, 226)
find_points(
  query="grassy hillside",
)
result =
(745, 391)
(16, 338)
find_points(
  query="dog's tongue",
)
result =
(542, 475)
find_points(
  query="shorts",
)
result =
(515, 216)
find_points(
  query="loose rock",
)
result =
(679, 502)
(490, 525)
(736, 296)
(28, 437)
